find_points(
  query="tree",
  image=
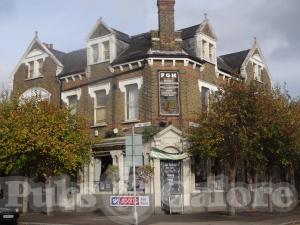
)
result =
(250, 123)
(40, 140)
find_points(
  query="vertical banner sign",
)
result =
(169, 93)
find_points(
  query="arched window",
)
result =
(40, 94)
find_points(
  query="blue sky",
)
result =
(66, 24)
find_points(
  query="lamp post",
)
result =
(135, 213)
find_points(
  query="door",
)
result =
(171, 181)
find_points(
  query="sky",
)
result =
(66, 24)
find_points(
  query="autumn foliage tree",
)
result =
(40, 140)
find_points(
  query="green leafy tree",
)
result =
(40, 140)
(249, 123)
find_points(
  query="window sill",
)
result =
(34, 78)
(131, 121)
(99, 125)
(95, 63)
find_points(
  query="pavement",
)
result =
(93, 218)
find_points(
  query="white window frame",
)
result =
(34, 56)
(258, 66)
(100, 41)
(31, 92)
(122, 86)
(66, 94)
(204, 50)
(92, 92)
(212, 87)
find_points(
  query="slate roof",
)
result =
(223, 66)
(122, 36)
(139, 45)
(74, 62)
(189, 32)
(236, 59)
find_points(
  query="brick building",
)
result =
(162, 77)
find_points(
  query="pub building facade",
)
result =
(162, 78)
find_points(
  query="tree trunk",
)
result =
(231, 181)
(25, 196)
(270, 181)
(49, 196)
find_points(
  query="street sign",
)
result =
(138, 159)
(138, 145)
(147, 124)
(129, 201)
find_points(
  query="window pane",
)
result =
(95, 49)
(106, 50)
(132, 101)
(73, 104)
(204, 97)
(100, 98)
(41, 64)
(100, 107)
(100, 115)
(31, 69)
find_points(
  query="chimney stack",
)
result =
(169, 40)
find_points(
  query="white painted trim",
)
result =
(255, 46)
(35, 90)
(98, 87)
(66, 94)
(35, 40)
(203, 24)
(135, 80)
(210, 86)
(92, 92)
(122, 86)
(99, 22)
(111, 38)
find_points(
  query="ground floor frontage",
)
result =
(178, 183)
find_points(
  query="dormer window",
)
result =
(206, 48)
(100, 51)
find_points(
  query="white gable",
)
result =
(169, 140)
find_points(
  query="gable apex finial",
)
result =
(36, 33)
(205, 16)
(255, 40)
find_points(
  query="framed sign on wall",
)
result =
(169, 93)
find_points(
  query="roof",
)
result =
(223, 66)
(139, 46)
(122, 36)
(74, 62)
(236, 59)
(189, 32)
